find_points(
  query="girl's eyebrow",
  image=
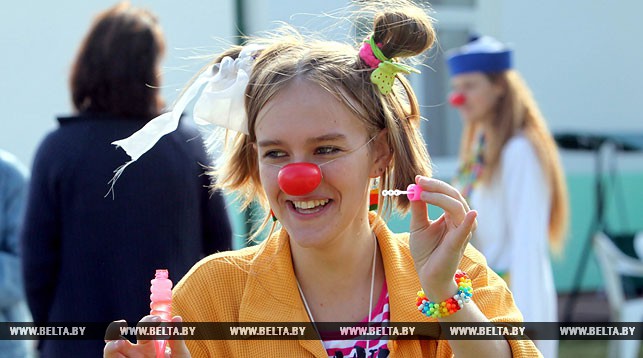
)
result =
(321, 138)
(327, 137)
(266, 143)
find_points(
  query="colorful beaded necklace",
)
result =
(470, 171)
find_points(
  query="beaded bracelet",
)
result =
(452, 304)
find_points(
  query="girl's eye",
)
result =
(327, 150)
(274, 154)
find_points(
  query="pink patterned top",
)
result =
(338, 345)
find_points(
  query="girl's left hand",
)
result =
(437, 246)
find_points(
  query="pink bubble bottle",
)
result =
(161, 304)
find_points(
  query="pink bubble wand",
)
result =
(161, 304)
(412, 192)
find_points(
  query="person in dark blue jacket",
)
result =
(83, 248)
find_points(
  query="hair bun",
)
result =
(405, 31)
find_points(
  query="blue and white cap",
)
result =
(482, 54)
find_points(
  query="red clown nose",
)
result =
(299, 178)
(457, 99)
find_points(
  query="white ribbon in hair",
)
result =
(221, 103)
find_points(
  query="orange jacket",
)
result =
(257, 284)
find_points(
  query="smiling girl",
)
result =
(324, 120)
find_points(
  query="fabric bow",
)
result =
(221, 103)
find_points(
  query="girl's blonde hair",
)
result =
(403, 31)
(516, 111)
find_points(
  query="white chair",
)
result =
(638, 244)
(614, 264)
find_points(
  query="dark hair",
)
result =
(116, 68)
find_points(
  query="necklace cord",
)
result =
(370, 299)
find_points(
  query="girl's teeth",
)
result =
(309, 204)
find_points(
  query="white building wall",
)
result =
(325, 18)
(582, 59)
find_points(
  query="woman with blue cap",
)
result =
(510, 172)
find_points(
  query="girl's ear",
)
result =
(382, 154)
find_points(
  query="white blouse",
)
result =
(513, 232)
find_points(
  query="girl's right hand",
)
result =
(123, 348)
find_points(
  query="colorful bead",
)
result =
(373, 199)
(450, 305)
